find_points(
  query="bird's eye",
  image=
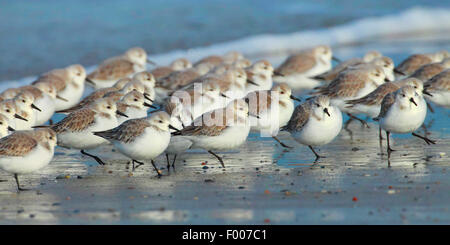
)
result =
(23, 101)
(403, 95)
(282, 93)
(386, 66)
(51, 137)
(108, 107)
(239, 76)
(8, 110)
(78, 73)
(377, 75)
(135, 99)
(160, 121)
(265, 67)
(1, 123)
(317, 105)
(415, 86)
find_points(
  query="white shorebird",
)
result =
(148, 80)
(69, 83)
(403, 111)
(428, 71)
(315, 122)
(218, 130)
(177, 80)
(9, 109)
(261, 73)
(297, 70)
(76, 129)
(5, 129)
(141, 139)
(179, 64)
(133, 105)
(44, 98)
(24, 152)
(24, 102)
(415, 61)
(438, 89)
(111, 70)
(371, 103)
(273, 107)
(353, 84)
(215, 60)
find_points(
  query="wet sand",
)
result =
(263, 183)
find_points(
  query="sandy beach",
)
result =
(262, 184)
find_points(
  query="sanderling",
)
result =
(215, 60)
(221, 129)
(9, 93)
(23, 152)
(44, 98)
(402, 111)
(26, 108)
(315, 122)
(5, 129)
(271, 116)
(438, 88)
(97, 94)
(333, 73)
(69, 83)
(148, 80)
(177, 144)
(133, 105)
(261, 73)
(76, 129)
(9, 109)
(177, 65)
(428, 71)
(198, 101)
(353, 84)
(297, 70)
(177, 80)
(371, 103)
(415, 61)
(111, 70)
(141, 139)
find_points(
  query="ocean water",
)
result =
(37, 36)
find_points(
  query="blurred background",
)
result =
(37, 36)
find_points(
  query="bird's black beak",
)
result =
(11, 129)
(20, 117)
(412, 101)
(399, 72)
(147, 97)
(427, 93)
(252, 115)
(121, 113)
(336, 59)
(326, 111)
(151, 62)
(295, 98)
(276, 73)
(35, 107)
(61, 98)
(172, 127)
(251, 82)
(223, 95)
(151, 106)
(88, 80)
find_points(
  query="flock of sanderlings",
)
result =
(213, 104)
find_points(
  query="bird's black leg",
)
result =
(99, 161)
(156, 169)
(218, 158)
(168, 162)
(427, 140)
(281, 143)
(364, 123)
(18, 184)
(389, 149)
(136, 161)
(315, 153)
(173, 163)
